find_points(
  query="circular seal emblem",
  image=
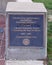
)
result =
(26, 41)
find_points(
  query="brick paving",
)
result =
(2, 62)
(2, 39)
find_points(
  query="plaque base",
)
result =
(30, 62)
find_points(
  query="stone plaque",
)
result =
(26, 31)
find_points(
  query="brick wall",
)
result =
(2, 39)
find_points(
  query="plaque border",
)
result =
(27, 13)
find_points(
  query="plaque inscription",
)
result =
(26, 30)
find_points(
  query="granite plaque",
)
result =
(26, 30)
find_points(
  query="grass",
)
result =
(49, 40)
(49, 63)
(49, 48)
(48, 3)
